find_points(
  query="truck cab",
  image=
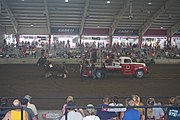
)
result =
(126, 66)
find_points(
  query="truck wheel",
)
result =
(139, 74)
(99, 74)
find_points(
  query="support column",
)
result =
(140, 42)
(80, 37)
(169, 40)
(17, 38)
(110, 41)
(49, 41)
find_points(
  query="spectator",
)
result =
(91, 113)
(71, 113)
(138, 102)
(69, 98)
(171, 101)
(159, 113)
(31, 106)
(173, 112)
(130, 113)
(15, 114)
(31, 115)
(102, 112)
(150, 112)
(4, 103)
(115, 102)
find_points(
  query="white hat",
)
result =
(91, 110)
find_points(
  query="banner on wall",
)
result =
(65, 31)
(126, 32)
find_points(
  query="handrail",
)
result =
(12, 108)
(120, 97)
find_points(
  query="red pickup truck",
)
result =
(123, 65)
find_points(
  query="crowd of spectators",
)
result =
(110, 109)
(14, 110)
(64, 50)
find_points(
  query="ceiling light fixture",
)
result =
(149, 3)
(31, 25)
(162, 27)
(108, 1)
(98, 26)
(66, 1)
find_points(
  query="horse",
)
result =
(52, 69)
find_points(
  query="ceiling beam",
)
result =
(121, 12)
(150, 21)
(46, 13)
(174, 29)
(84, 16)
(0, 6)
(10, 14)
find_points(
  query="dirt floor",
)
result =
(17, 80)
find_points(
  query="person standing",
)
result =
(31, 106)
(64, 70)
(93, 71)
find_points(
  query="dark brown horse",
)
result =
(52, 69)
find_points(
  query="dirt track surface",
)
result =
(19, 80)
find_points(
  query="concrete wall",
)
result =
(2, 32)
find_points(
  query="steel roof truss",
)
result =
(47, 16)
(84, 16)
(150, 21)
(10, 14)
(121, 12)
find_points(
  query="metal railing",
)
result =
(13, 108)
(95, 107)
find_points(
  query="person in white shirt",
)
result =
(91, 113)
(31, 106)
(71, 113)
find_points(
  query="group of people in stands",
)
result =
(19, 106)
(110, 109)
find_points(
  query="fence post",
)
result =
(145, 113)
(21, 113)
(66, 113)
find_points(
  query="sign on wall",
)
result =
(65, 31)
(126, 32)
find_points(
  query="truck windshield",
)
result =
(127, 61)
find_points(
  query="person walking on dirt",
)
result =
(93, 71)
(83, 67)
(64, 70)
